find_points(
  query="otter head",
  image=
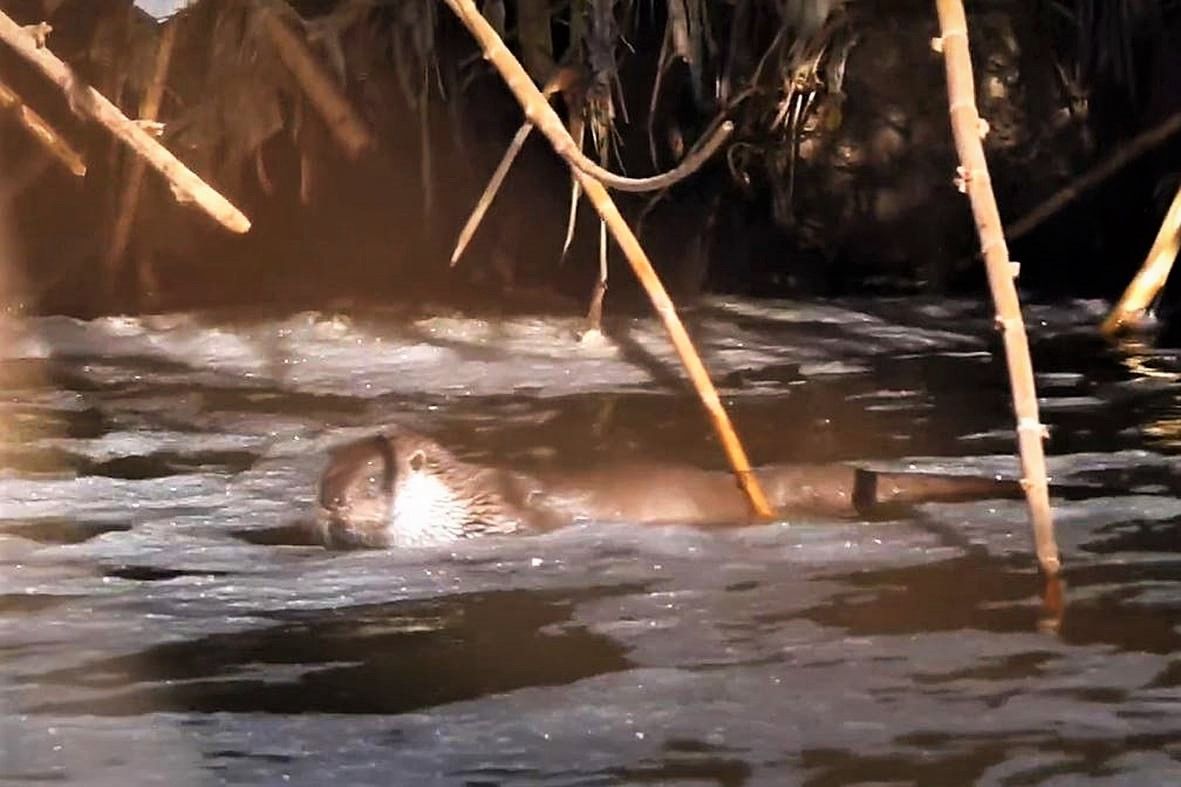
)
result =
(355, 494)
(406, 490)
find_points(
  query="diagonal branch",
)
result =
(540, 114)
(186, 185)
(42, 131)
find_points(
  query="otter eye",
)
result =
(417, 460)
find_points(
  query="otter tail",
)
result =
(876, 493)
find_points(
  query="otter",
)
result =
(403, 489)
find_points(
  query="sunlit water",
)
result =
(162, 619)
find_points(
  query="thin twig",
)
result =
(149, 109)
(490, 191)
(594, 313)
(690, 164)
(661, 64)
(578, 134)
(566, 148)
(561, 79)
(1127, 153)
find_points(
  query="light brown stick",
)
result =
(490, 191)
(561, 79)
(1101, 172)
(186, 186)
(690, 164)
(345, 125)
(539, 113)
(967, 127)
(41, 131)
(149, 109)
(1152, 275)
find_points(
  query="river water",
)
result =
(163, 618)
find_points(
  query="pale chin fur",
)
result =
(422, 503)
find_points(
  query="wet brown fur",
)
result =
(381, 491)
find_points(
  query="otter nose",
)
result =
(360, 471)
(332, 491)
(342, 534)
(339, 491)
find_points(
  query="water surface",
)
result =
(164, 618)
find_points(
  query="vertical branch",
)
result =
(149, 109)
(539, 113)
(967, 127)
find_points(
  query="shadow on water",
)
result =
(384, 658)
(136, 467)
(162, 464)
(724, 772)
(685, 761)
(938, 758)
(134, 573)
(55, 530)
(904, 404)
(1157, 536)
(31, 603)
(974, 591)
(296, 533)
(1001, 595)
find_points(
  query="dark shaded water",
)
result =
(164, 618)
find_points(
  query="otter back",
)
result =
(404, 489)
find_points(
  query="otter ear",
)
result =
(417, 460)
